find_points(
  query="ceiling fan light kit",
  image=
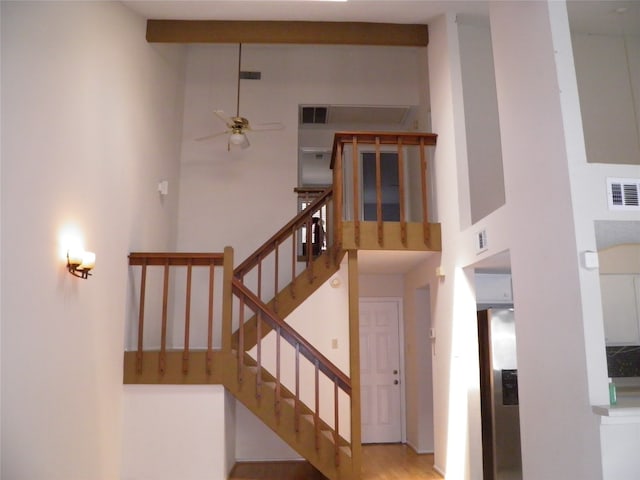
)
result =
(237, 127)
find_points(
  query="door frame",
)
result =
(403, 412)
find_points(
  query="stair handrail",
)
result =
(385, 138)
(267, 247)
(288, 333)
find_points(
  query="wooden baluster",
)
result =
(310, 246)
(337, 201)
(327, 233)
(308, 241)
(259, 355)
(336, 429)
(278, 390)
(241, 342)
(425, 202)
(227, 300)
(210, 318)
(165, 302)
(294, 255)
(401, 193)
(316, 415)
(259, 290)
(356, 190)
(143, 286)
(275, 282)
(379, 194)
(296, 407)
(187, 320)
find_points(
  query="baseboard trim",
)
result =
(439, 470)
(419, 452)
(268, 460)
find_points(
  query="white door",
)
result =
(380, 372)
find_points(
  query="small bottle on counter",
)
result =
(613, 397)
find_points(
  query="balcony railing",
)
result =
(410, 221)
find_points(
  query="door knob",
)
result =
(395, 382)
(395, 372)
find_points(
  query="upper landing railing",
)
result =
(381, 191)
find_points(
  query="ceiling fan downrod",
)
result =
(239, 70)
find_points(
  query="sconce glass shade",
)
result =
(88, 261)
(74, 257)
(80, 263)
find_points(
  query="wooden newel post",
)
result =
(354, 362)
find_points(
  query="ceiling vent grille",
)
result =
(354, 115)
(623, 193)
(314, 115)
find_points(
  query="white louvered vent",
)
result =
(623, 193)
(481, 241)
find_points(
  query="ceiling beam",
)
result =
(316, 33)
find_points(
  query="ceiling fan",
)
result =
(237, 127)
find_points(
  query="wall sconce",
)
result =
(80, 263)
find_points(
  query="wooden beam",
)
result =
(315, 33)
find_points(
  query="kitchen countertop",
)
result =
(626, 410)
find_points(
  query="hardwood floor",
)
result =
(379, 462)
(275, 471)
(396, 462)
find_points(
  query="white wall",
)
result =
(452, 300)
(560, 373)
(243, 197)
(608, 69)
(91, 122)
(256, 442)
(418, 370)
(376, 285)
(537, 99)
(175, 431)
(486, 179)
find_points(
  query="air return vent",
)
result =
(623, 193)
(313, 115)
(481, 241)
(354, 115)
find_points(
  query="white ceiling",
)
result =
(603, 16)
(389, 11)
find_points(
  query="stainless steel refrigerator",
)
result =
(501, 455)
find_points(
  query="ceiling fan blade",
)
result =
(227, 120)
(213, 135)
(270, 126)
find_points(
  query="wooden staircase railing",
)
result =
(166, 280)
(265, 287)
(283, 245)
(302, 349)
(165, 339)
(412, 228)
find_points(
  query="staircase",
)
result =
(294, 389)
(303, 427)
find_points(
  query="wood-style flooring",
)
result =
(379, 462)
